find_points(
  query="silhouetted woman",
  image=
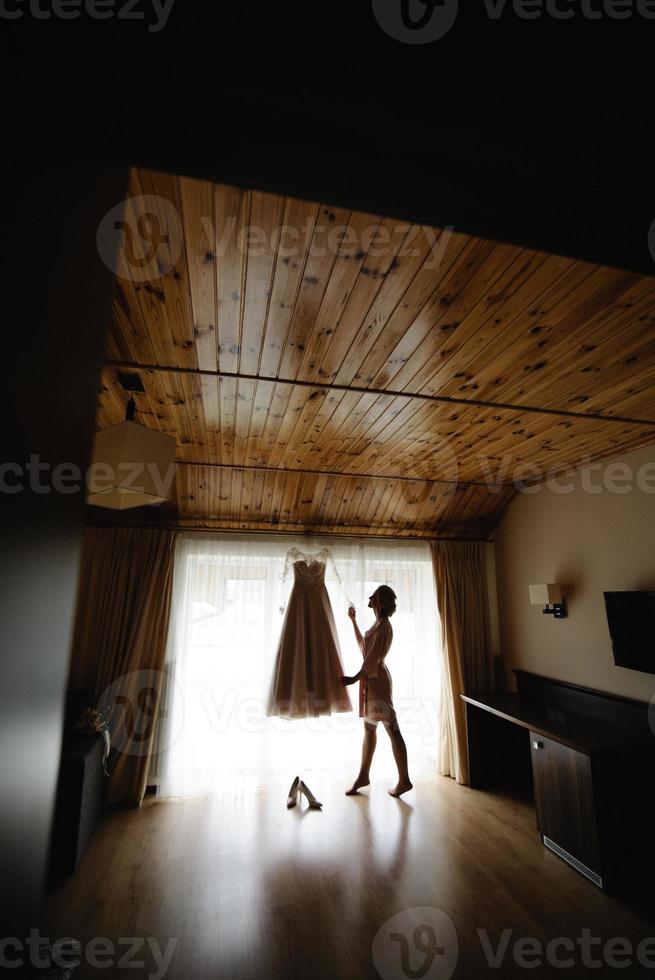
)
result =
(375, 689)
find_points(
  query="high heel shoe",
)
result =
(292, 798)
(311, 799)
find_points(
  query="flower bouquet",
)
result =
(93, 722)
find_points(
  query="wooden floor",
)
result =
(251, 890)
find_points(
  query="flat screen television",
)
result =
(631, 620)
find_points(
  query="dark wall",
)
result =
(54, 307)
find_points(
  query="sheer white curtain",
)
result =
(225, 624)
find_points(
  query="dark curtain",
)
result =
(461, 585)
(123, 609)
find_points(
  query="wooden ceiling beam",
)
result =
(341, 473)
(310, 531)
(357, 389)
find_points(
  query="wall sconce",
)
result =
(550, 597)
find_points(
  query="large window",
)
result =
(225, 624)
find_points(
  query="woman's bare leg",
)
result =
(400, 755)
(368, 748)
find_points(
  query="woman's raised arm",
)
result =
(358, 635)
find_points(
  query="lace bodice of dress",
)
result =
(309, 568)
(309, 572)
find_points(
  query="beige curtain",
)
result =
(123, 608)
(460, 580)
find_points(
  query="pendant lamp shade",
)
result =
(131, 466)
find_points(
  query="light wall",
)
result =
(600, 536)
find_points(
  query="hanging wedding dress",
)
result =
(307, 673)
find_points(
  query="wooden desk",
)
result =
(590, 758)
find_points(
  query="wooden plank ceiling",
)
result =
(405, 371)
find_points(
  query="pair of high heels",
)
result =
(298, 786)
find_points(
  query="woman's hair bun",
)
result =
(386, 600)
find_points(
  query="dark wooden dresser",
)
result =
(589, 757)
